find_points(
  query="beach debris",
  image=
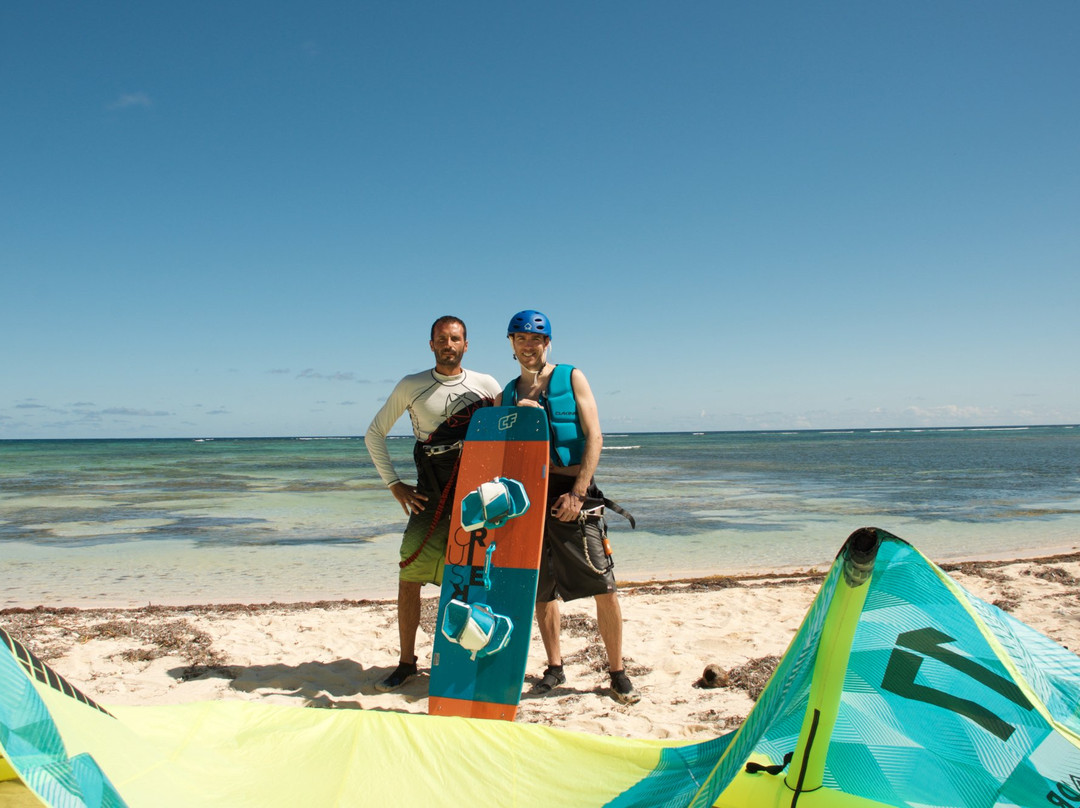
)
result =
(714, 676)
(1006, 604)
(707, 584)
(176, 637)
(54, 631)
(978, 569)
(1052, 574)
(751, 677)
(718, 720)
(754, 675)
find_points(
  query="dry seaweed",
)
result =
(754, 675)
(1053, 574)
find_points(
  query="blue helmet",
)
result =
(529, 322)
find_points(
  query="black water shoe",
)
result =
(402, 673)
(622, 690)
(552, 678)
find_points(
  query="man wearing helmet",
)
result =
(440, 402)
(576, 562)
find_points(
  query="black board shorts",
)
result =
(574, 562)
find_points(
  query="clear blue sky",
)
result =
(240, 219)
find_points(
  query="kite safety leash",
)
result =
(438, 514)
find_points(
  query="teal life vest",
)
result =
(567, 437)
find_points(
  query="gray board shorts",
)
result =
(574, 562)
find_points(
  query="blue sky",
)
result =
(240, 219)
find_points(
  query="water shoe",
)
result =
(552, 678)
(622, 690)
(402, 673)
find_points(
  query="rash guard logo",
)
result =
(459, 408)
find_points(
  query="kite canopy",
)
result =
(899, 689)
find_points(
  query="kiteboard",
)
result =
(488, 592)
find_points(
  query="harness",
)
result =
(567, 437)
(449, 437)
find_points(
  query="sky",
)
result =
(240, 219)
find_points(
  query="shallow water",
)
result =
(171, 521)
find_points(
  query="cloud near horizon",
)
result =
(951, 412)
(339, 376)
(133, 411)
(129, 100)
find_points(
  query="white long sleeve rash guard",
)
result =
(430, 398)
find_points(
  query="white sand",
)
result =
(332, 654)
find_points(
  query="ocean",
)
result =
(132, 522)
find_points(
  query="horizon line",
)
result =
(774, 430)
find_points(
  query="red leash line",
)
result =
(438, 513)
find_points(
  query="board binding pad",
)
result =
(488, 595)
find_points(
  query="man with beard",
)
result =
(440, 403)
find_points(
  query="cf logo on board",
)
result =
(507, 421)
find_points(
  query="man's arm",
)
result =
(568, 506)
(375, 441)
(589, 417)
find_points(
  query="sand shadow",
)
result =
(318, 684)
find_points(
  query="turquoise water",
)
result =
(165, 521)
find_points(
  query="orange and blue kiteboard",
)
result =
(488, 593)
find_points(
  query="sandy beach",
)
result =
(330, 654)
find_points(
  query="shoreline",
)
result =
(331, 653)
(1062, 553)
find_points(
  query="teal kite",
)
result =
(899, 689)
